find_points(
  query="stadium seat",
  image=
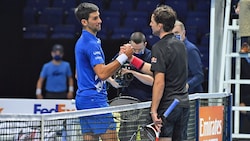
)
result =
(180, 6)
(152, 39)
(147, 30)
(138, 14)
(37, 4)
(122, 5)
(199, 20)
(205, 41)
(29, 16)
(99, 3)
(147, 5)
(204, 55)
(63, 32)
(193, 38)
(70, 18)
(111, 14)
(122, 33)
(203, 6)
(36, 32)
(65, 4)
(51, 16)
(110, 21)
(137, 23)
(103, 34)
(192, 34)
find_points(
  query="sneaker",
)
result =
(245, 48)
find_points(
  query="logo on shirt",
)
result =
(99, 84)
(56, 73)
(97, 53)
(98, 41)
(153, 60)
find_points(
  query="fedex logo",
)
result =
(38, 109)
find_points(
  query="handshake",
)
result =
(126, 54)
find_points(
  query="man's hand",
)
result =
(128, 50)
(39, 96)
(157, 121)
(70, 95)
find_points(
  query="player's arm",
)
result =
(105, 71)
(158, 88)
(71, 87)
(144, 78)
(141, 65)
(75, 74)
(39, 86)
(113, 83)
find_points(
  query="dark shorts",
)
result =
(96, 124)
(175, 125)
(56, 95)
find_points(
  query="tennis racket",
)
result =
(150, 130)
(126, 116)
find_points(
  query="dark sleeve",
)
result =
(157, 60)
(195, 68)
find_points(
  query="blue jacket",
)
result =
(195, 68)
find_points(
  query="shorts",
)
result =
(96, 124)
(175, 125)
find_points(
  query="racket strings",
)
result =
(127, 116)
(148, 132)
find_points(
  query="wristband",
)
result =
(137, 62)
(152, 113)
(122, 58)
(71, 88)
(38, 91)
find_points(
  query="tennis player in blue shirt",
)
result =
(91, 75)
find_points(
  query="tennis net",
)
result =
(128, 118)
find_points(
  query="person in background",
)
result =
(195, 71)
(92, 73)
(245, 65)
(242, 9)
(141, 85)
(58, 76)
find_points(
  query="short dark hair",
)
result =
(138, 37)
(166, 15)
(83, 10)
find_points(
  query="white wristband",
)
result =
(122, 58)
(38, 91)
(71, 88)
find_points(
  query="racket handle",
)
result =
(171, 107)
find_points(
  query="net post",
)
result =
(197, 107)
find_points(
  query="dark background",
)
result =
(22, 59)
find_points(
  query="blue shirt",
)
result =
(56, 76)
(88, 53)
(195, 71)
